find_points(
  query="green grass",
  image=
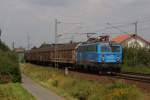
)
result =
(73, 88)
(136, 69)
(14, 91)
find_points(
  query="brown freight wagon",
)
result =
(46, 54)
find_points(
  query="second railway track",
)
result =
(137, 77)
(134, 76)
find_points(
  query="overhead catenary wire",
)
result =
(124, 27)
(59, 35)
(127, 23)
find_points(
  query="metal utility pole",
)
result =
(55, 42)
(0, 34)
(136, 42)
(56, 22)
(13, 45)
(136, 27)
(28, 41)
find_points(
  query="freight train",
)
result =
(99, 56)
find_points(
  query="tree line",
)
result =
(136, 56)
(9, 65)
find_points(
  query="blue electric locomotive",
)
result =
(104, 57)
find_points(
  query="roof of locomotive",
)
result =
(100, 43)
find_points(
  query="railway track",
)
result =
(142, 81)
(134, 76)
(139, 77)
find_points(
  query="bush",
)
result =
(55, 83)
(81, 91)
(3, 47)
(9, 66)
(136, 57)
(121, 91)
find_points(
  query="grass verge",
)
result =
(73, 88)
(136, 69)
(14, 91)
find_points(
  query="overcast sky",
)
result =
(36, 18)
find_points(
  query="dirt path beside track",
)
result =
(38, 91)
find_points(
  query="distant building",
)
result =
(20, 52)
(131, 40)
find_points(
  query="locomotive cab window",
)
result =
(88, 48)
(81, 49)
(92, 48)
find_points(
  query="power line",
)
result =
(70, 23)
(133, 19)
(75, 28)
(145, 28)
(56, 28)
(112, 26)
(115, 27)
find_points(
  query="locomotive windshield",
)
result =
(87, 48)
(105, 49)
(91, 48)
(108, 48)
(115, 48)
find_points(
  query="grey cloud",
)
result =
(36, 17)
(53, 3)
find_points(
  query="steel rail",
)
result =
(134, 76)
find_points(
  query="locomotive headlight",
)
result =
(118, 58)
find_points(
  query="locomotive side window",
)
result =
(115, 48)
